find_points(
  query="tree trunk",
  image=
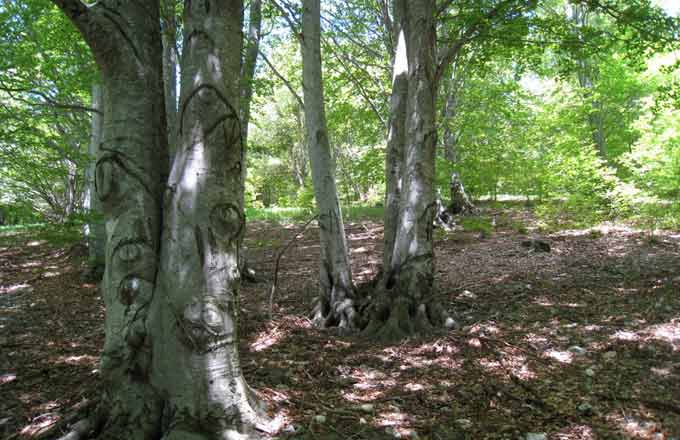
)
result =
(247, 75)
(170, 65)
(170, 367)
(249, 65)
(126, 44)
(406, 306)
(96, 229)
(196, 361)
(335, 304)
(453, 87)
(587, 74)
(394, 156)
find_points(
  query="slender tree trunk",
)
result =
(247, 76)
(406, 306)
(587, 74)
(452, 89)
(196, 360)
(249, 65)
(170, 66)
(335, 306)
(96, 229)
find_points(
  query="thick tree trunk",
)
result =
(196, 361)
(170, 367)
(405, 306)
(126, 44)
(96, 229)
(170, 66)
(394, 156)
(335, 305)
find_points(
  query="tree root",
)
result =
(342, 314)
(70, 419)
(402, 317)
(80, 430)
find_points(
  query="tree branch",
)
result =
(49, 101)
(78, 12)
(449, 53)
(283, 79)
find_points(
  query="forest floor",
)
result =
(582, 342)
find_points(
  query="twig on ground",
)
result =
(283, 250)
(68, 419)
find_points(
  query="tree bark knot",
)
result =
(206, 325)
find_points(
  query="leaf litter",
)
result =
(582, 342)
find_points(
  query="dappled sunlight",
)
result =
(397, 422)
(363, 396)
(668, 332)
(507, 364)
(636, 427)
(7, 378)
(625, 335)
(269, 337)
(410, 361)
(88, 360)
(484, 329)
(578, 432)
(412, 386)
(39, 424)
(15, 288)
(545, 302)
(661, 372)
(563, 357)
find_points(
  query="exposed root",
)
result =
(80, 430)
(401, 318)
(248, 274)
(342, 314)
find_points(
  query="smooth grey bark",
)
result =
(96, 228)
(335, 306)
(170, 367)
(394, 155)
(452, 89)
(170, 66)
(125, 42)
(196, 360)
(406, 306)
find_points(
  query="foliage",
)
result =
(46, 74)
(522, 124)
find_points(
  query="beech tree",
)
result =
(335, 305)
(404, 303)
(170, 366)
(96, 231)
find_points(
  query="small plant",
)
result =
(520, 228)
(478, 224)
(594, 234)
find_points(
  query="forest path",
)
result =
(582, 342)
